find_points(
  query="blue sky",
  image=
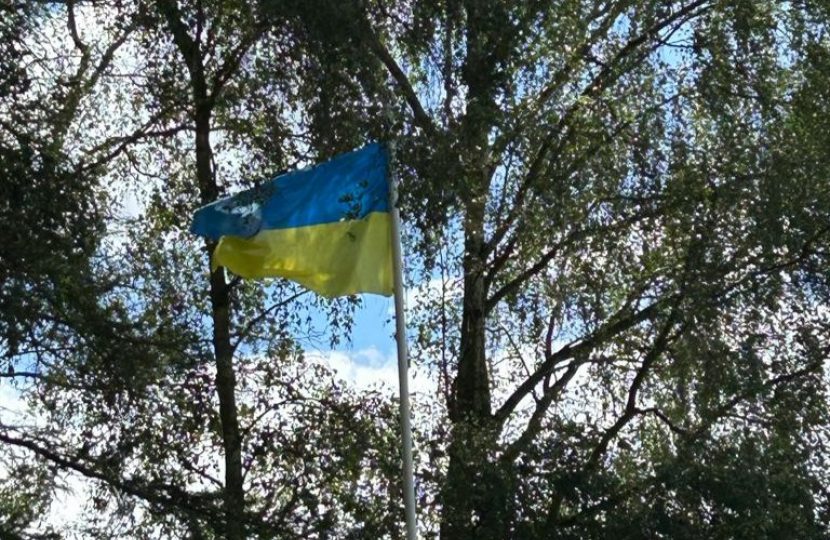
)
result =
(374, 325)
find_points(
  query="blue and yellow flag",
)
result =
(326, 227)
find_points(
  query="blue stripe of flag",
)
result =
(350, 186)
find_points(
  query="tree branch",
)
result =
(535, 423)
(631, 410)
(174, 498)
(572, 238)
(123, 142)
(621, 323)
(422, 119)
(261, 316)
(73, 28)
(188, 47)
(234, 59)
(601, 81)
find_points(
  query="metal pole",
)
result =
(403, 360)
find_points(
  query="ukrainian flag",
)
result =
(326, 227)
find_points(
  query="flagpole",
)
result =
(403, 360)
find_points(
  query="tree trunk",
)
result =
(475, 493)
(225, 376)
(234, 495)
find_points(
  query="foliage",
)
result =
(617, 226)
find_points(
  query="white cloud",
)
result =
(372, 369)
(67, 509)
(12, 406)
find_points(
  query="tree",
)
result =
(134, 371)
(53, 227)
(635, 232)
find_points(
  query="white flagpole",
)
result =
(403, 360)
